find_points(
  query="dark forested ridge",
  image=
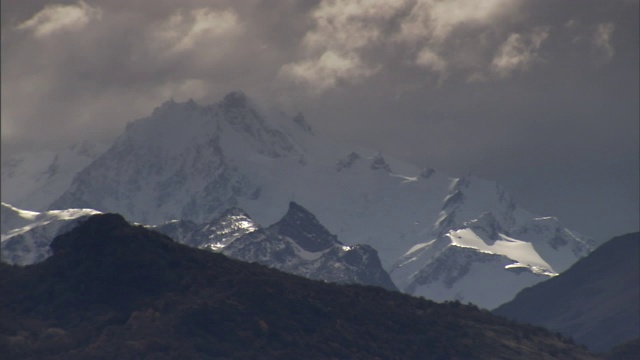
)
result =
(116, 291)
(596, 301)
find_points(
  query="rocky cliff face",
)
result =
(297, 244)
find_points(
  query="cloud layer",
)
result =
(519, 91)
(57, 18)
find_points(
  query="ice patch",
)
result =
(417, 247)
(309, 255)
(521, 251)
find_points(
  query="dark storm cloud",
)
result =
(526, 92)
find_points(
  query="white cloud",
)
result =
(328, 70)
(432, 61)
(519, 51)
(56, 18)
(603, 50)
(333, 48)
(414, 32)
(344, 30)
(350, 25)
(182, 90)
(182, 31)
(430, 25)
(434, 20)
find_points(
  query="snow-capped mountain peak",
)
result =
(192, 162)
(297, 244)
(214, 234)
(185, 149)
(513, 251)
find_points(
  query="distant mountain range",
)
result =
(596, 301)
(297, 243)
(439, 237)
(117, 291)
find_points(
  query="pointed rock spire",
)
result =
(301, 226)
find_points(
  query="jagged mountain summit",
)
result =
(177, 163)
(297, 244)
(509, 247)
(96, 297)
(187, 161)
(213, 235)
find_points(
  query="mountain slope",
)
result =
(34, 180)
(26, 235)
(174, 164)
(486, 260)
(297, 244)
(187, 161)
(300, 245)
(98, 297)
(596, 301)
(213, 235)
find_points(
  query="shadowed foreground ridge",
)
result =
(596, 301)
(112, 290)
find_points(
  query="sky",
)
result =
(539, 95)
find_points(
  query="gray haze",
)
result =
(540, 95)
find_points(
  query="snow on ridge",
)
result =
(37, 219)
(25, 243)
(417, 247)
(25, 214)
(305, 254)
(520, 251)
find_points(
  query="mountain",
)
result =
(296, 244)
(300, 245)
(187, 161)
(34, 180)
(213, 235)
(486, 260)
(175, 164)
(625, 351)
(596, 301)
(26, 235)
(112, 290)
